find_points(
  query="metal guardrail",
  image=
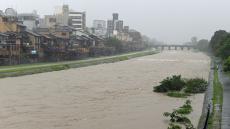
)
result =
(207, 117)
(207, 106)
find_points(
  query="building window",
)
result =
(78, 22)
(75, 17)
(78, 26)
(52, 20)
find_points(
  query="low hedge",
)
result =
(196, 85)
(174, 83)
(175, 86)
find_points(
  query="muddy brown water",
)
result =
(108, 96)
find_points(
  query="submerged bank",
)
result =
(20, 70)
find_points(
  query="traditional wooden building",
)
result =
(12, 29)
(10, 48)
(55, 41)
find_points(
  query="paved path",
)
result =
(225, 80)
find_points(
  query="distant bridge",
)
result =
(174, 47)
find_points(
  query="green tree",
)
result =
(203, 45)
(224, 49)
(115, 43)
(194, 40)
(227, 65)
(217, 39)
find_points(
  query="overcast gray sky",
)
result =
(172, 21)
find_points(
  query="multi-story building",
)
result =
(10, 30)
(118, 25)
(62, 15)
(114, 26)
(110, 28)
(50, 21)
(65, 17)
(126, 29)
(115, 17)
(10, 23)
(30, 20)
(98, 24)
(99, 27)
(77, 20)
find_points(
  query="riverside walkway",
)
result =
(225, 80)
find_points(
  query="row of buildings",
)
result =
(26, 37)
(62, 16)
(115, 28)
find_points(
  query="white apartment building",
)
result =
(99, 27)
(77, 20)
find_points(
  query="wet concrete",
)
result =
(225, 80)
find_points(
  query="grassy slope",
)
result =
(215, 118)
(27, 69)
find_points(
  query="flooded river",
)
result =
(108, 96)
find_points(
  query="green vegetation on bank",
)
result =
(220, 45)
(177, 94)
(217, 101)
(174, 83)
(178, 117)
(176, 86)
(218, 89)
(13, 71)
(196, 85)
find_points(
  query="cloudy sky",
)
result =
(171, 21)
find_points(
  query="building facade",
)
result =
(62, 15)
(118, 25)
(77, 20)
(115, 17)
(99, 27)
(49, 21)
(126, 29)
(110, 28)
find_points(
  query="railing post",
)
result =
(207, 118)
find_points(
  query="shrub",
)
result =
(227, 65)
(178, 117)
(173, 126)
(174, 83)
(196, 85)
(186, 108)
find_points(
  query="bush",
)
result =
(180, 117)
(174, 83)
(186, 108)
(227, 65)
(196, 85)
(173, 126)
